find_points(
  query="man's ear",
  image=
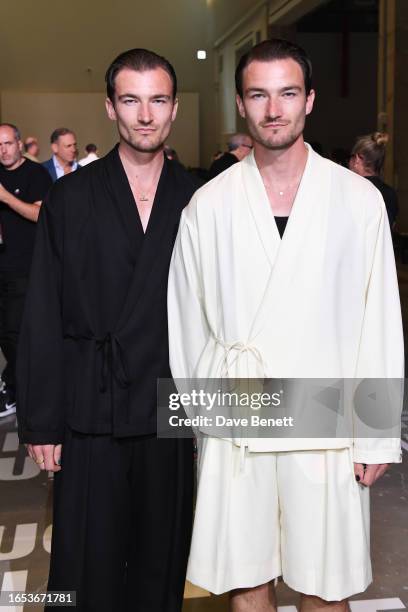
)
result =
(54, 148)
(110, 109)
(175, 108)
(240, 105)
(310, 101)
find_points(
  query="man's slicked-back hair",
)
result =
(271, 50)
(139, 60)
(12, 127)
(59, 132)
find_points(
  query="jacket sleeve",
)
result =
(40, 357)
(380, 366)
(188, 328)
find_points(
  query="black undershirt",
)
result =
(281, 224)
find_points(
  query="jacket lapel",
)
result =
(122, 195)
(159, 225)
(260, 208)
(297, 258)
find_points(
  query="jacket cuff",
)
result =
(40, 437)
(392, 455)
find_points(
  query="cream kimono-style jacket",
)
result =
(322, 302)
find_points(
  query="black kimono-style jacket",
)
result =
(93, 340)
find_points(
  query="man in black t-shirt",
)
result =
(23, 185)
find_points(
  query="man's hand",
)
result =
(368, 474)
(46, 456)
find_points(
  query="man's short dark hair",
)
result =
(12, 127)
(59, 132)
(138, 60)
(271, 50)
(91, 148)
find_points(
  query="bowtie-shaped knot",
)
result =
(113, 359)
(240, 348)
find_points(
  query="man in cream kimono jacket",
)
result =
(317, 299)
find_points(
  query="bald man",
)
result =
(23, 186)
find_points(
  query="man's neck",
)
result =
(283, 165)
(62, 163)
(16, 165)
(143, 164)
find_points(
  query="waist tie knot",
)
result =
(113, 360)
(240, 348)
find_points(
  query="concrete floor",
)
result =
(25, 527)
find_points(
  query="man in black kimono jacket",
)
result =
(93, 344)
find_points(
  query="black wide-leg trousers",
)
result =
(122, 523)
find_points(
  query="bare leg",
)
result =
(258, 599)
(310, 603)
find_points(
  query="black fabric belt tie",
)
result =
(113, 361)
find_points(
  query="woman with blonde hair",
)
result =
(367, 159)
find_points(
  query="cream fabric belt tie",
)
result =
(240, 348)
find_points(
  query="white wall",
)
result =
(245, 32)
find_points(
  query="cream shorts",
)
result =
(298, 514)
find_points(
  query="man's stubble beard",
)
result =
(153, 148)
(11, 163)
(148, 148)
(273, 144)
